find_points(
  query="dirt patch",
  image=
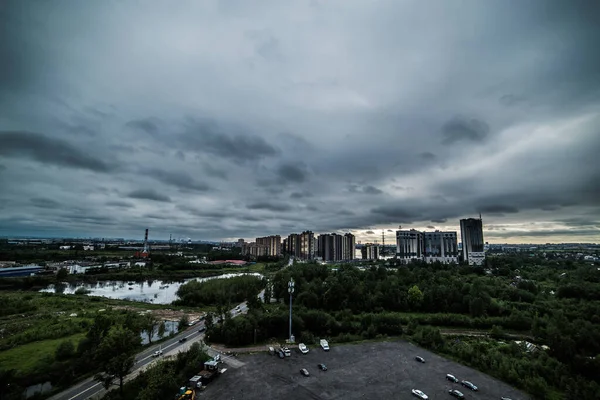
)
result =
(167, 314)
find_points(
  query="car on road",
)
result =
(322, 367)
(157, 353)
(238, 309)
(202, 329)
(419, 394)
(304, 372)
(505, 398)
(469, 385)
(303, 348)
(183, 339)
(456, 394)
(420, 359)
(452, 378)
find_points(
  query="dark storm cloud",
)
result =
(371, 190)
(149, 194)
(497, 209)
(430, 227)
(43, 202)
(206, 135)
(427, 156)
(279, 207)
(118, 203)
(48, 150)
(148, 125)
(463, 129)
(369, 232)
(369, 141)
(511, 100)
(179, 179)
(292, 173)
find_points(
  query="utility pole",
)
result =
(291, 291)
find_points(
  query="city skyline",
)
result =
(226, 120)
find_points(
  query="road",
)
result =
(92, 389)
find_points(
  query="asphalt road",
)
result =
(385, 370)
(92, 389)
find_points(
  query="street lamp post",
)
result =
(291, 291)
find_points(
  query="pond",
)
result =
(151, 291)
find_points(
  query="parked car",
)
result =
(304, 372)
(420, 359)
(505, 398)
(183, 339)
(280, 353)
(322, 367)
(456, 394)
(469, 385)
(419, 394)
(452, 378)
(303, 348)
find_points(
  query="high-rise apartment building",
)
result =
(409, 245)
(307, 245)
(348, 246)
(471, 233)
(426, 246)
(440, 246)
(273, 244)
(335, 247)
(370, 251)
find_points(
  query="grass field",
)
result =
(26, 359)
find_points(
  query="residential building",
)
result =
(348, 246)
(427, 246)
(471, 233)
(370, 251)
(300, 245)
(440, 246)
(336, 247)
(273, 244)
(409, 245)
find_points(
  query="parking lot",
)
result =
(380, 371)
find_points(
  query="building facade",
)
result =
(300, 245)
(336, 247)
(370, 251)
(268, 246)
(409, 245)
(471, 233)
(426, 246)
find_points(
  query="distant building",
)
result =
(240, 243)
(370, 251)
(335, 247)
(471, 232)
(300, 245)
(409, 245)
(263, 246)
(427, 246)
(440, 246)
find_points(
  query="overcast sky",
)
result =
(225, 119)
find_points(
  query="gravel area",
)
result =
(379, 371)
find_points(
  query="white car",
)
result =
(419, 394)
(324, 345)
(303, 348)
(157, 353)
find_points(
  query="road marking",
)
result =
(91, 387)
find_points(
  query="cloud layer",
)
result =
(221, 119)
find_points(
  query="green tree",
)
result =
(415, 296)
(161, 383)
(116, 355)
(64, 351)
(151, 326)
(183, 323)
(62, 274)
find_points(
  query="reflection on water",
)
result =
(151, 291)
